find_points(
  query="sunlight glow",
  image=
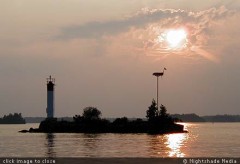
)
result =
(176, 38)
(174, 143)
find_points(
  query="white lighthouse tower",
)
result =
(50, 97)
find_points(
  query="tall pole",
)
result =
(157, 74)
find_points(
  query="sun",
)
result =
(176, 38)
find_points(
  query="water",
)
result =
(203, 140)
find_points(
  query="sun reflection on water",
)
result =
(171, 145)
(174, 143)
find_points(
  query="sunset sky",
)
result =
(103, 54)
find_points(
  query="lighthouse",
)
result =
(50, 97)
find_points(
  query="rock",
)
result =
(23, 131)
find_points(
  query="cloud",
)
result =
(205, 54)
(139, 32)
(113, 27)
(166, 17)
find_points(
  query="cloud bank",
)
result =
(142, 30)
(165, 18)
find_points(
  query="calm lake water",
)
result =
(203, 140)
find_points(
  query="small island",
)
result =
(15, 118)
(158, 122)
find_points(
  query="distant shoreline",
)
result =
(15, 118)
(184, 117)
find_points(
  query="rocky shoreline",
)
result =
(120, 125)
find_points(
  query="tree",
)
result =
(163, 111)
(77, 118)
(163, 116)
(91, 113)
(123, 120)
(15, 118)
(152, 111)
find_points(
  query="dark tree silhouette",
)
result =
(159, 122)
(152, 111)
(91, 113)
(163, 116)
(15, 118)
(123, 120)
(163, 111)
(77, 118)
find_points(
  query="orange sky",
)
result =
(104, 54)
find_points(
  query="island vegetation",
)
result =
(158, 122)
(15, 118)
(191, 117)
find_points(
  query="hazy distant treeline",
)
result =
(184, 117)
(188, 117)
(39, 119)
(222, 118)
(217, 118)
(15, 118)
